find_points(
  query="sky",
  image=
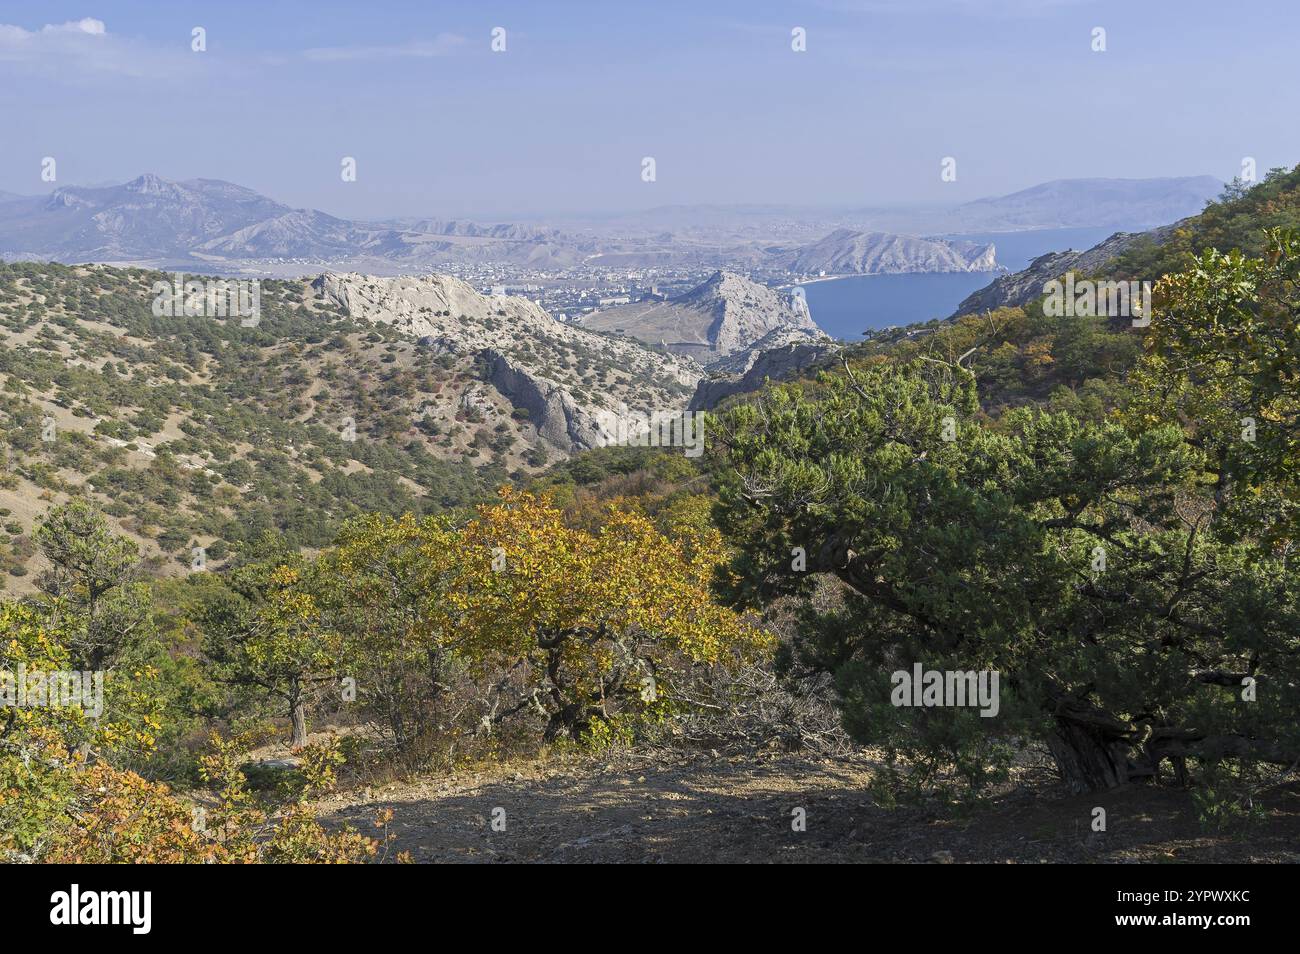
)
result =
(560, 121)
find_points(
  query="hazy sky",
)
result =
(440, 124)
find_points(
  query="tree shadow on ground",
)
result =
(742, 810)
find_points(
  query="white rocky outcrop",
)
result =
(577, 385)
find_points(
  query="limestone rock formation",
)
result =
(725, 315)
(576, 385)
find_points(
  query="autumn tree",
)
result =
(61, 802)
(598, 622)
(1223, 360)
(265, 629)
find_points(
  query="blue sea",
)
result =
(846, 307)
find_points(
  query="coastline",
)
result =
(1000, 270)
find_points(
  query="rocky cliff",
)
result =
(779, 355)
(577, 386)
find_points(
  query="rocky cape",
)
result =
(846, 252)
(724, 316)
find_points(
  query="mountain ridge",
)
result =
(205, 224)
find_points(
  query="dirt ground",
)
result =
(702, 808)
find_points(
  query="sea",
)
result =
(846, 308)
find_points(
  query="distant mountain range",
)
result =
(1117, 204)
(1121, 204)
(207, 222)
(211, 225)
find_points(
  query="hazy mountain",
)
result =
(146, 218)
(511, 232)
(1118, 204)
(208, 222)
(846, 252)
(211, 225)
(719, 317)
(1122, 204)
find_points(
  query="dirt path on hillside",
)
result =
(739, 809)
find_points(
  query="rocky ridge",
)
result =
(578, 387)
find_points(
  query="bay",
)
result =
(846, 308)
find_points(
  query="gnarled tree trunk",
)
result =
(1089, 758)
(1091, 747)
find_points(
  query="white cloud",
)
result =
(16, 40)
(80, 49)
(84, 25)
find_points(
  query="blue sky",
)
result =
(441, 125)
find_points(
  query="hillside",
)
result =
(1026, 285)
(1237, 220)
(576, 385)
(350, 395)
(778, 355)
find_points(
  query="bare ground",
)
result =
(706, 808)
